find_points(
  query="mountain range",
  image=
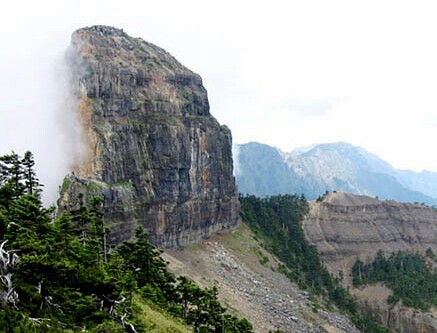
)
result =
(265, 170)
(157, 167)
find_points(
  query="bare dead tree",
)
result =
(8, 260)
(130, 328)
(46, 299)
(109, 304)
(39, 321)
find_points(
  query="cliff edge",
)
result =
(345, 227)
(152, 150)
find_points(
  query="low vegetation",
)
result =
(59, 275)
(277, 221)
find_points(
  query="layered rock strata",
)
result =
(152, 150)
(345, 227)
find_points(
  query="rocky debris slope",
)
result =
(152, 149)
(345, 227)
(267, 298)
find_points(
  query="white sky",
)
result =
(285, 73)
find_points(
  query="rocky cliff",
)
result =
(345, 227)
(152, 150)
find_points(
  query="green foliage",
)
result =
(68, 280)
(407, 274)
(66, 183)
(277, 220)
(263, 259)
(17, 177)
(108, 326)
(430, 254)
(322, 197)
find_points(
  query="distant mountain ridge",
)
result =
(266, 170)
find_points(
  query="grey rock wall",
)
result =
(153, 150)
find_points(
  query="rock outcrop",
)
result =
(152, 150)
(345, 227)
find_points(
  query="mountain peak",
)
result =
(333, 166)
(336, 146)
(339, 144)
(104, 30)
(154, 153)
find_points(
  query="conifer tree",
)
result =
(31, 183)
(66, 279)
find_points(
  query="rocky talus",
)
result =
(255, 290)
(345, 227)
(152, 150)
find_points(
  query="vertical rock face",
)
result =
(345, 227)
(152, 149)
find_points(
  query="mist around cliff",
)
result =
(68, 117)
(285, 73)
(36, 116)
(38, 111)
(66, 138)
(236, 159)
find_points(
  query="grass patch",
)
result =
(155, 321)
(65, 184)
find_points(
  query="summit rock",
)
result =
(153, 151)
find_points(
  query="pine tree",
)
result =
(66, 279)
(11, 178)
(31, 183)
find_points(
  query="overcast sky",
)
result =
(285, 73)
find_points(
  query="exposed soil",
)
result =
(250, 285)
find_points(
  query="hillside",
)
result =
(265, 170)
(59, 274)
(249, 283)
(156, 168)
(346, 227)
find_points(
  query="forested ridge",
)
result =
(58, 274)
(277, 221)
(408, 275)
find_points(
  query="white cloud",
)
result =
(287, 73)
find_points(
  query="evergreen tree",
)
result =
(31, 183)
(67, 279)
(407, 274)
(277, 221)
(11, 178)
